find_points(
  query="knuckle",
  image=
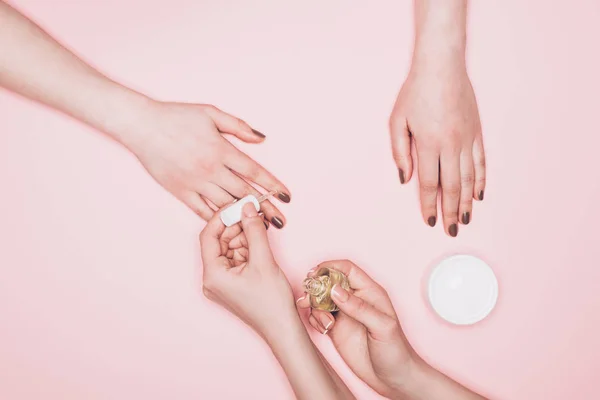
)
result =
(451, 190)
(480, 162)
(429, 188)
(467, 179)
(389, 326)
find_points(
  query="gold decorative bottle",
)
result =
(318, 288)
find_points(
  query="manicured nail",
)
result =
(339, 293)
(326, 322)
(259, 134)
(466, 218)
(401, 174)
(431, 221)
(453, 230)
(277, 222)
(249, 210)
(300, 299)
(262, 215)
(480, 196)
(284, 197)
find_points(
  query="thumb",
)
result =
(401, 141)
(256, 235)
(379, 325)
(227, 123)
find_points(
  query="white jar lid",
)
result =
(462, 289)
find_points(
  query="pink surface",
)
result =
(99, 267)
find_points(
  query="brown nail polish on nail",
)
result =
(453, 230)
(466, 218)
(277, 222)
(402, 178)
(431, 221)
(480, 195)
(259, 134)
(284, 197)
(266, 224)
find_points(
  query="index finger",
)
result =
(210, 239)
(241, 163)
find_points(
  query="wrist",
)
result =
(125, 116)
(285, 332)
(414, 380)
(440, 30)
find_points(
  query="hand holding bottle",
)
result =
(367, 334)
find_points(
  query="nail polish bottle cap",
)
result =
(462, 289)
(233, 214)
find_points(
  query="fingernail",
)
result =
(259, 134)
(480, 195)
(300, 299)
(277, 222)
(402, 178)
(431, 221)
(284, 197)
(249, 210)
(266, 224)
(466, 218)
(325, 321)
(453, 230)
(339, 293)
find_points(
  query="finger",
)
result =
(401, 145)
(227, 123)
(303, 301)
(363, 285)
(324, 319)
(450, 182)
(467, 179)
(377, 323)
(252, 171)
(240, 188)
(479, 166)
(195, 203)
(210, 239)
(315, 321)
(256, 235)
(429, 181)
(315, 324)
(217, 195)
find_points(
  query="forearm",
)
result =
(426, 383)
(440, 30)
(307, 373)
(344, 391)
(35, 66)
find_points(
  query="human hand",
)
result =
(437, 110)
(183, 148)
(365, 331)
(241, 274)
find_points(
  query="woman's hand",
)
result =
(366, 331)
(436, 109)
(241, 274)
(183, 148)
(367, 334)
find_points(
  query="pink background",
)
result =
(99, 267)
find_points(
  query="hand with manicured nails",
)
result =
(436, 111)
(180, 145)
(365, 331)
(183, 148)
(241, 274)
(368, 336)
